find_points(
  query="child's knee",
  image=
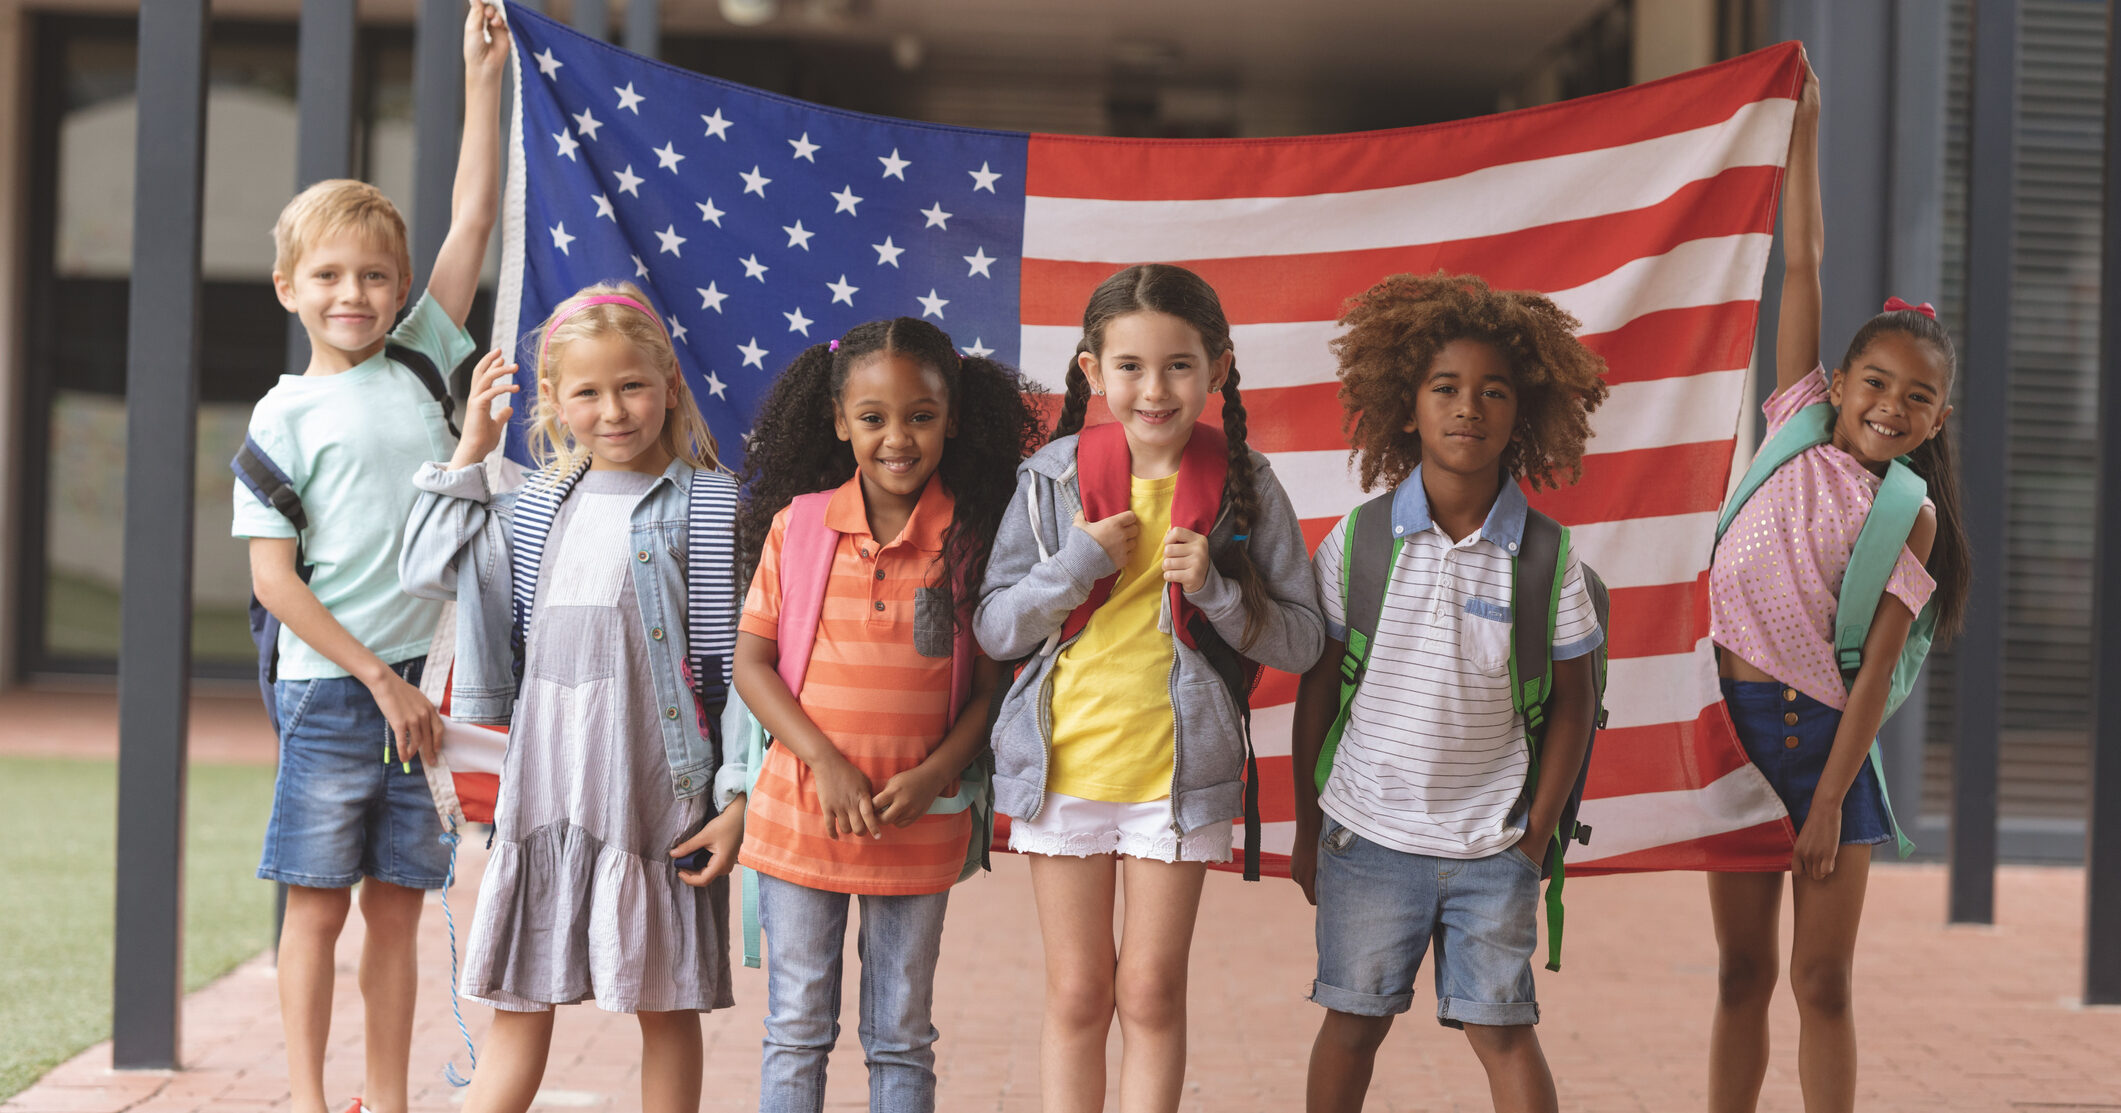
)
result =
(316, 911)
(1352, 1034)
(1824, 988)
(1745, 979)
(1502, 1042)
(1081, 1002)
(383, 901)
(1151, 998)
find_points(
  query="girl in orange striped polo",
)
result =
(918, 447)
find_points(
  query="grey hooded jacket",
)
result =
(1042, 568)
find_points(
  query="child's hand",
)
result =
(906, 797)
(1186, 560)
(414, 722)
(1116, 534)
(847, 798)
(1818, 843)
(721, 837)
(491, 379)
(1808, 97)
(485, 43)
(1303, 864)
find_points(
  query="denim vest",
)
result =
(481, 547)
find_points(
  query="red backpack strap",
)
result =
(806, 568)
(1104, 474)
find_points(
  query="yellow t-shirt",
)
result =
(1112, 726)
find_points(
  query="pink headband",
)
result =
(545, 342)
(1895, 305)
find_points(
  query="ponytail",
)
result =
(1075, 405)
(1948, 561)
(1242, 497)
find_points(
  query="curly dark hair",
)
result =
(1163, 288)
(1396, 328)
(794, 449)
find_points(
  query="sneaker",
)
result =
(356, 1107)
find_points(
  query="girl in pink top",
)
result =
(1773, 588)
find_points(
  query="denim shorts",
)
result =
(1380, 910)
(339, 813)
(1789, 736)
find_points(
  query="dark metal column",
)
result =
(325, 115)
(644, 31)
(2102, 852)
(592, 18)
(1984, 430)
(154, 659)
(438, 100)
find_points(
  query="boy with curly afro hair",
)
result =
(1415, 827)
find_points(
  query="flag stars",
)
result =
(983, 178)
(670, 238)
(717, 127)
(629, 182)
(678, 330)
(932, 305)
(798, 323)
(894, 166)
(628, 99)
(841, 291)
(560, 238)
(844, 201)
(937, 218)
(804, 148)
(887, 252)
(547, 64)
(711, 298)
(979, 350)
(755, 182)
(587, 124)
(980, 261)
(754, 356)
(568, 144)
(640, 269)
(753, 268)
(708, 213)
(604, 208)
(718, 388)
(797, 235)
(667, 157)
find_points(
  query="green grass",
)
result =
(58, 836)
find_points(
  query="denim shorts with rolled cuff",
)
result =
(1380, 910)
(339, 813)
(1789, 736)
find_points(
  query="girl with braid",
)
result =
(1144, 570)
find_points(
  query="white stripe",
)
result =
(1710, 271)
(1537, 192)
(1669, 688)
(1647, 820)
(1659, 413)
(508, 288)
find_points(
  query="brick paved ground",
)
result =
(1952, 1018)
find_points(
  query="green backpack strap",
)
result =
(1535, 604)
(1871, 562)
(1367, 556)
(1808, 428)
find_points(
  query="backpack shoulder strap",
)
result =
(1535, 596)
(269, 482)
(1871, 561)
(1807, 428)
(710, 586)
(430, 376)
(1366, 568)
(806, 569)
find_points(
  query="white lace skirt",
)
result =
(1069, 826)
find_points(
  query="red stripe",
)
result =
(1664, 757)
(1642, 483)
(1137, 170)
(1557, 256)
(1672, 343)
(1659, 621)
(476, 793)
(1764, 848)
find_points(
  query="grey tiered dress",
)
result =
(580, 901)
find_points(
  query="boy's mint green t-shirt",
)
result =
(351, 443)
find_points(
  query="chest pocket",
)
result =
(931, 623)
(1484, 634)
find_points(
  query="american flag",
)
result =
(760, 224)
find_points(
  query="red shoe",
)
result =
(356, 1107)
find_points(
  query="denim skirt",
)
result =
(1789, 736)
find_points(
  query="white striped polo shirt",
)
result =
(1434, 757)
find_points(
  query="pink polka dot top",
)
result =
(1776, 576)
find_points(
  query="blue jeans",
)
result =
(899, 943)
(1380, 911)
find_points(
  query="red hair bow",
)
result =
(1895, 305)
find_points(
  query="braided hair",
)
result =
(1178, 292)
(794, 449)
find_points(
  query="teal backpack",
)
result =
(1871, 560)
(1366, 562)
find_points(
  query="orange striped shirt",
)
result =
(883, 704)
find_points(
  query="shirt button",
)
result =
(641, 556)
(879, 573)
(1790, 743)
(880, 604)
(656, 633)
(1789, 718)
(684, 784)
(670, 713)
(1789, 695)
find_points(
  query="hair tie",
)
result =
(1241, 537)
(833, 345)
(545, 342)
(1895, 305)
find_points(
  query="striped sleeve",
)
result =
(1576, 629)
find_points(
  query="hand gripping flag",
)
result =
(759, 225)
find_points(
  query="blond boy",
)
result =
(351, 804)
